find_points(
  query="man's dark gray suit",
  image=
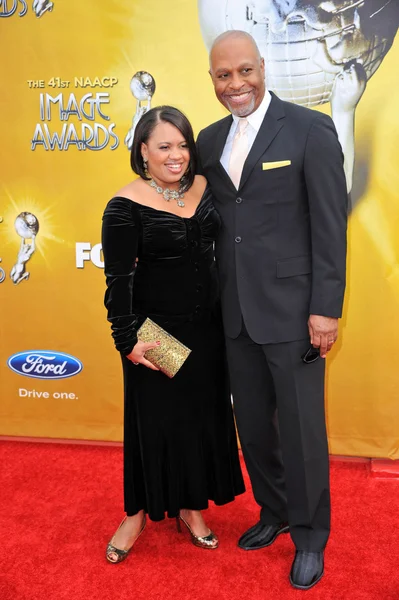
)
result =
(281, 256)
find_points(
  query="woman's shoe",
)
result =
(208, 542)
(121, 554)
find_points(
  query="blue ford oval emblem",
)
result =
(43, 364)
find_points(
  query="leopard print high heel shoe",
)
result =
(208, 542)
(121, 554)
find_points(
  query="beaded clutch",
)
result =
(170, 356)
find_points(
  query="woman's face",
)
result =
(167, 154)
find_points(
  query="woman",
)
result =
(180, 448)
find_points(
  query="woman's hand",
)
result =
(137, 354)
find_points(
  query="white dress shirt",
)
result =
(254, 122)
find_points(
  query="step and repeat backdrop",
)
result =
(76, 77)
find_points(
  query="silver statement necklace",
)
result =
(168, 194)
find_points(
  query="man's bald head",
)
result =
(238, 72)
(229, 37)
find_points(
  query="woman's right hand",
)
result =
(137, 354)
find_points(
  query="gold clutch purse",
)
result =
(170, 356)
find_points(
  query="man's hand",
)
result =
(323, 332)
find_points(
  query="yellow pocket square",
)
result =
(275, 165)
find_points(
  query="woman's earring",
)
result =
(145, 165)
(183, 180)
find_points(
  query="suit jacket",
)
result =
(281, 252)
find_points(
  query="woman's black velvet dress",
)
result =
(180, 447)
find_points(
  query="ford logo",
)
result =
(43, 364)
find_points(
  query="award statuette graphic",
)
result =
(315, 51)
(27, 227)
(142, 87)
(42, 6)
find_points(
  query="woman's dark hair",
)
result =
(145, 127)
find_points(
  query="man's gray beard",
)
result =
(242, 111)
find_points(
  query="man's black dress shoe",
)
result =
(261, 536)
(307, 569)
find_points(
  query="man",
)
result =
(276, 172)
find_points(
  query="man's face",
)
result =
(238, 75)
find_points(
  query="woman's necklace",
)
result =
(168, 194)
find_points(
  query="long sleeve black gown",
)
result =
(180, 447)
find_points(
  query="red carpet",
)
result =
(61, 503)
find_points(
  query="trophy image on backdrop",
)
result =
(27, 227)
(315, 51)
(42, 6)
(142, 87)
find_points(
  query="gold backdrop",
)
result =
(53, 324)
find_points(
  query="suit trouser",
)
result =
(279, 408)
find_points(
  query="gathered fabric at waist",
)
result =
(169, 321)
(177, 292)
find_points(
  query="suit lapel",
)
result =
(271, 125)
(218, 148)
